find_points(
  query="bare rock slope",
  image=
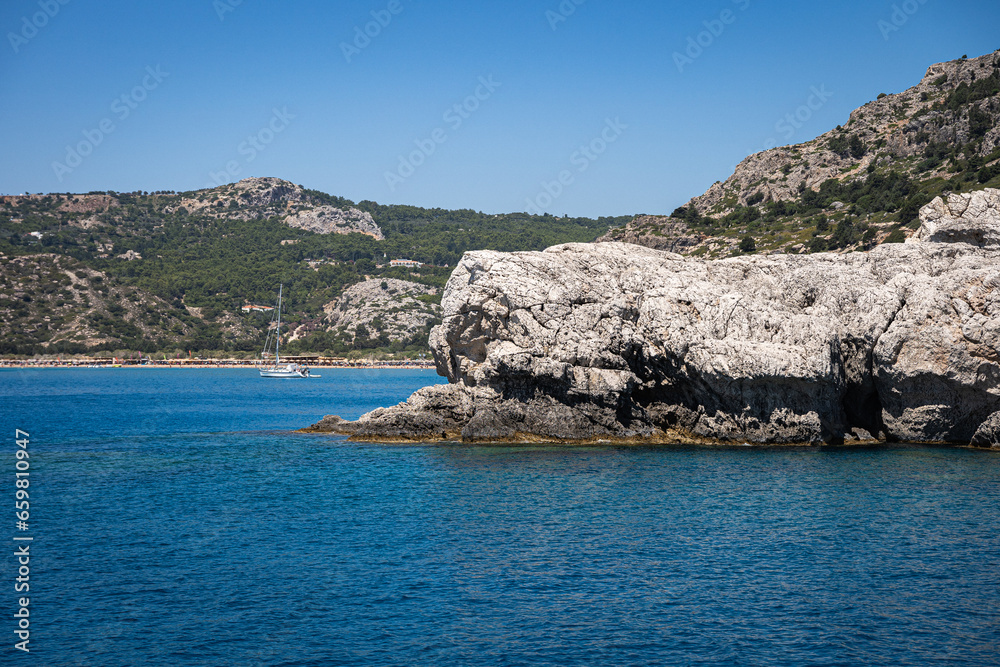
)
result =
(865, 179)
(396, 310)
(273, 197)
(900, 125)
(332, 220)
(614, 341)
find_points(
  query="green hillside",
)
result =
(202, 255)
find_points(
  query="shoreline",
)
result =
(233, 364)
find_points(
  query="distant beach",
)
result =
(321, 362)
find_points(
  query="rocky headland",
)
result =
(617, 342)
(273, 197)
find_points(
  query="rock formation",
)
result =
(776, 173)
(331, 220)
(612, 341)
(395, 310)
(883, 161)
(254, 198)
(972, 218)
(657, 232)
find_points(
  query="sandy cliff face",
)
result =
(610, 340)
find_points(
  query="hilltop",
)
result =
(171, 271)
(858, 185)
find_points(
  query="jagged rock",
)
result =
(332, 424)
(268, 197)
(862, 435)
(972, 218)
(891, 136)
(777, 172)
(988, 433)
(264, 192)
(331, 220)
(614, 341)
(432, 413)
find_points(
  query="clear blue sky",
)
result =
(200, 78)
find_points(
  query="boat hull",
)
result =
(282, 374)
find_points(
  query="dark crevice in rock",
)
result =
(861, 403)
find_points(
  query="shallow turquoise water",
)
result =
(177, 521)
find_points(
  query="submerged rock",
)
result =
(612, 341)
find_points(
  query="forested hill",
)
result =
(168, 271)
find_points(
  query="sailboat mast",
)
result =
(277, 341)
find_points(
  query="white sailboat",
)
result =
(278, 369)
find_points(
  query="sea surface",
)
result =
(177, 520)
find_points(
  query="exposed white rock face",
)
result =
(615, 340)
(399, 309)
(262, 192)
(332, 220)
(258, 198)
(967, 218)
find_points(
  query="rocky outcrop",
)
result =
(891, 128)
(657, 232)
(331, 220)
(248, 199)
(612, 341)
(394, 310)
(972, 218)
(855, 186)
(268, 197)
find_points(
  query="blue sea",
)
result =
(178, 520)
